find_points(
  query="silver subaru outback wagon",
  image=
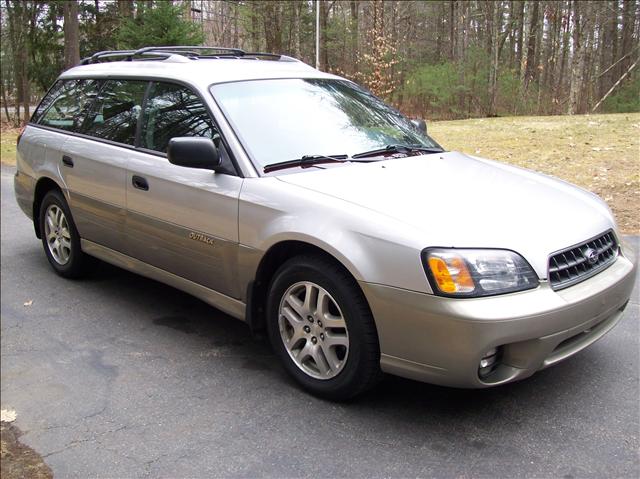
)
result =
(300, 203)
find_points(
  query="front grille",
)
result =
(580, 262)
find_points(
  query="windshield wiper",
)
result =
(398, 149)
(306, 161)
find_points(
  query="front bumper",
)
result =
(442, 340)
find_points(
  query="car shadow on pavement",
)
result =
(395, 396)
(142, 353)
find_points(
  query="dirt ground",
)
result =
(18, 461)
(600, 153)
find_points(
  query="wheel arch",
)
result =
(43, 186)
(274, 257)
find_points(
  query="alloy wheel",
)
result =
(57, 234)
(313, 330)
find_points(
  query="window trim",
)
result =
(136, 140)
(103, 80)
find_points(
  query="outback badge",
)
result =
(200, 237)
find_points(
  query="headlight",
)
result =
(477, 272)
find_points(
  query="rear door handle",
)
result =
(67, 161)
(139, 182)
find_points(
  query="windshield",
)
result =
(285, 119)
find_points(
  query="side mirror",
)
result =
(420, 125)
(194, 152)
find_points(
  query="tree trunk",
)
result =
(565, 50)
(71, 34)
(353, 5)
(125, 8)
(532, 40)
(627, 35)
(496, 20)
(378, 39)
(552, 56)
(519, 44)
(440, 19)
(17, 36)
(577, 62)
(452, 31)
(324, 50)
(588, 34)
(255, 10)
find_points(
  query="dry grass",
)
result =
(8, 138)
(600, 153)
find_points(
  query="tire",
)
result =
(328, 343)
(60, 238)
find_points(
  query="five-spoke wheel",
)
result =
(320, 325)
(60, 238)
(313, 330)
(56, 232)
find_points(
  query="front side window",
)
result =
(115, 113)
(173, 111)
(65, 106)
(286, 119)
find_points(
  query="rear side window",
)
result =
(115, 113)
(173, 111)
(65, 106)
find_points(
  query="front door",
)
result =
(182, 220)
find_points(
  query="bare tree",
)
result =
(580, 19)
(71, 34)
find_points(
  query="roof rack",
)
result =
(193, 52)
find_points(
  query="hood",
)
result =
(455, 200)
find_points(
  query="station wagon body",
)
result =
(296, 201)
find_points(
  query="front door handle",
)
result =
(67, 161)
(140, 183)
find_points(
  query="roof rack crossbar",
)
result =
(127, 54)
(189, 51)
(190, 48)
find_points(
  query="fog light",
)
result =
(488, 362)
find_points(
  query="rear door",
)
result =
(182, 220)
(102, 119)
(99, 172)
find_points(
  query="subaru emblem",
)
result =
(591, 255)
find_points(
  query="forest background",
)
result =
(516, 77)
(434, 59)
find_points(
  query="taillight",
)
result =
(20, 135)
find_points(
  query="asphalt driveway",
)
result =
(120, 376)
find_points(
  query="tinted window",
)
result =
(173, 111)
(115, 113)
(66, 105)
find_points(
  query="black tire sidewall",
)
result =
(348, 382)
(73, 267)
